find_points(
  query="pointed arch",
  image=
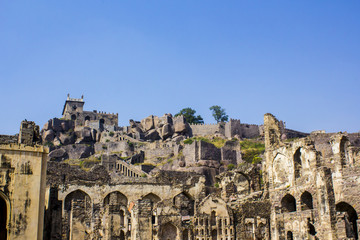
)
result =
(288, 203)
(4, 215)
(168, 231)
(306, 201)
(152, 197)
(344, 155)
(78, 196)
(297, 163)
(116, 198)
(349, 219)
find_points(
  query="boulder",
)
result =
(47, 126)
(166, 119)
(166, 131)
(148, 123)
(152, 135)
(48, 136)
(180, 124)
(77, 151)
(58, 155)
(66, 139)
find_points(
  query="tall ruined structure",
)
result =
(312, 184)
(161, 178)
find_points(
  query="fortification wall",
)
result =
(249, 130)
(206, 129)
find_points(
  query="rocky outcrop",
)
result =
(155, 128)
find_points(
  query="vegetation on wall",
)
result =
(251, 151)
(217, 141)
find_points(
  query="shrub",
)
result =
(188, 141)
(111, 134)
(230, 166)
(216, 185)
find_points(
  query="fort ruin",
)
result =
(84, 177)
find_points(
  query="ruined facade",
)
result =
(153, 180)
(312, 184)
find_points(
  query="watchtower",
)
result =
(73, 108)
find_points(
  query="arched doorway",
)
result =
(3, 218)
(347, 218)
(214, 234)
(297, 163)
(306, 201)
(288, 203)
(168, 232)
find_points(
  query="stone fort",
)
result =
(84, 177)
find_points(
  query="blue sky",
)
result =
(299, 60)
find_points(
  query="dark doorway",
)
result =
(3, 219)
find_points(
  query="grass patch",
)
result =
(217, 141)
(251, 150)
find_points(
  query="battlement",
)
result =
(75, 99)
(73, 110)
(24, 148)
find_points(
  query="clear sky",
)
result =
(299, 60)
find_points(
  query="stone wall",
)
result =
(22, 191)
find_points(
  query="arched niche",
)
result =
(306, 201)
(347, 217)
(152, 197)
(116, 198)
(297, 163)
(344, 155)
(4, 215)
(168, 231)
(288, 203)
(77, 197)
(78, 209)
(280, 169)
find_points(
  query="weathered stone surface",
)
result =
(152, 135)
(48, 136)
(77, 151)
(166, 131)
(148, 123)
(58, 155)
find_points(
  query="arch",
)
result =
(76, 225)
(185, 203)
(185, 234)
(306, 201)
(214, 234)
(87, 118)
(348, 216)
(289, 235)
(344, 155)
(4, 215)
(280, 169)
(102, 121)
(122, 235)
(297, 163)
(73, 117)
(152, 197)
(168, 232)
(288, 203)
(213, 218)
(116, 198)
(78, 196)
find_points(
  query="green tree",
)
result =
(219, 113)
(189, 115)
